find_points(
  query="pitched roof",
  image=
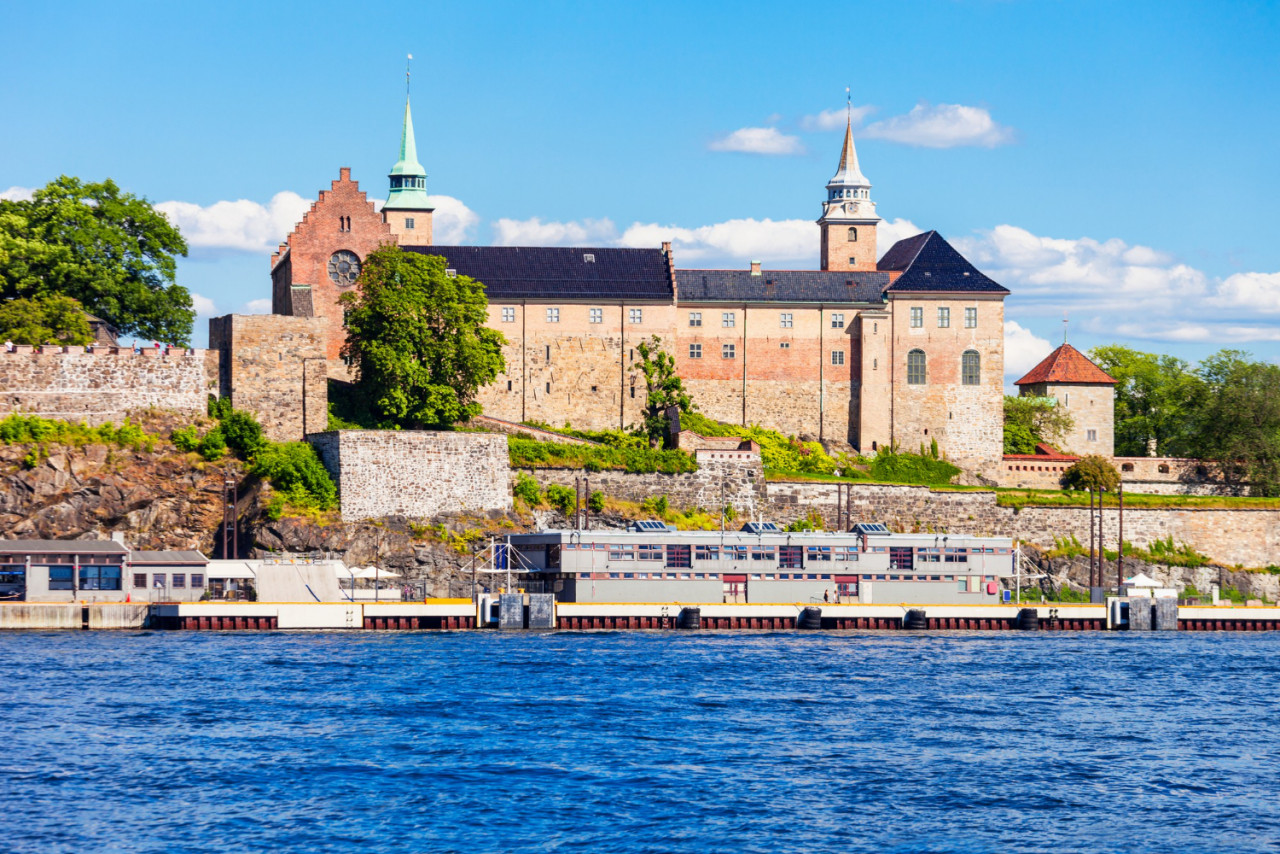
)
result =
(929, 263)
(103, 547)
(539, 272)
(781, 286)
(1067, 365)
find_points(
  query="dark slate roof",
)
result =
(542, 272)
(780, 286)
(929, 263)
(170, 557)
(97, 547)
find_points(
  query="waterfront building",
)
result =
(650, 562)
(904, 349)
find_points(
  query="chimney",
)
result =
(755, 268)
(666, 247)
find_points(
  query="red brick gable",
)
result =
(1067, 365)
(342, 218)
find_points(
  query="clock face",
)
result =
(344, 268)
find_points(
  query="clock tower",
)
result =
(849, 218)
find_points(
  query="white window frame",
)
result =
(635, 315)
(695, 351)
(971, 318)
(553, 315)
(944, 317)
(917, 317)
(695, 318)
(728, 351)
(596, 315)
(728, 319)
(786, 319)
(837, 320)
(837, 358)
(508, 314)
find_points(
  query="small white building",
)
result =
(1143, 585)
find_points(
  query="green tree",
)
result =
(1092, 472)
(1028, 420)
(43, 320)
(663, 388)
(417, 340)
(1156, 400)
(1238, 421)
(108, 249)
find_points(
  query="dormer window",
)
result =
(589, 258)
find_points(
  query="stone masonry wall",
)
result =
(735, 480)
(105, 385)
(274, 366)
(418, 474)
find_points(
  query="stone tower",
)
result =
(1084, 390)
(849, 218)
(408, 210)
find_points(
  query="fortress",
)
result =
(904, 349)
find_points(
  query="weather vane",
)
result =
(848, 105)
(1064, 327)
(406, 74)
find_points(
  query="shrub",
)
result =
(529, 453)
(213, 446)
(527, 490)
(596, 502)
(894, 467)
(185, 439)
(242, 433)
(812, 521)
(561, 497)
(295, 469)
(657, 505)
(1092, 472)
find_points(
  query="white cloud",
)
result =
(1253, 291)
(942, 126)
(835, 119)
(241, 225)
(535, 232)
(257, 306)
(203, 305)
(737, 240)
(452, 222)
(758, 141)
(1112, 288)
(17, 194)
(891, 231)
(1023, 349)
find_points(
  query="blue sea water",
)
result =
(640, 741)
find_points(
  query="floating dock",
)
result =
(459, 614)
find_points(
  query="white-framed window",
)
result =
(695, 351)
(837, 320)
(408, 223)
(970, 368)
(944, 317)
(917, 317)
(597, 315)
(1092, 435)
(553, 315)
(695, 318)
(728, 319)
(785, 320)
(726, 351)
(636, 315)
(508, 314)
(837, 357)
(971, 318)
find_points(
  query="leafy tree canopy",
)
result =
(110, 250)
(417, 341)
(1092, 472)
(1028, 420)
(664, 388)
(1237, 425)
(1156, 399)
(44, 320)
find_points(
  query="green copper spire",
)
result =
(408, 178)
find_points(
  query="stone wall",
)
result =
(274, 366)
(417, 474)
(733, 478)
(105, 385)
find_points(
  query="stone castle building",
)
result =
(901, 350)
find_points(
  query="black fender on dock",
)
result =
(690, 618)
(1028, 620)
(809, 618)
(915, 619)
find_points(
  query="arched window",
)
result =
(970, 368)
(915, 367)
(853, 235)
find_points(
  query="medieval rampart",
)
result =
(418, 474)
(104, 384)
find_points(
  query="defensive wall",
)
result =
(105, 384)
(416, 474)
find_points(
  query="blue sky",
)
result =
(1113, 161)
